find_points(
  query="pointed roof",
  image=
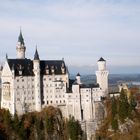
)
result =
(101, 59)
(78, 74)
(6, 56)
(36, 55)
(20, 38)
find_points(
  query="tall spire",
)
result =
(36, 55)
(6, 56)
(20, 38)
(20, 47)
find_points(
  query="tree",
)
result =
(114, 124)
(123, 106)
(114, 118)
(114, 107)
(74, 129)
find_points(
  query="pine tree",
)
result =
(74, 129)
(123, 106)
(114, 118)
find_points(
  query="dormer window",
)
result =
(52, 69)
(20, 70)
(47, 69)
(63, 68)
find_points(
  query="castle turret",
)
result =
(36, 63)
(102, 76)
(20, 47)
(78, 79)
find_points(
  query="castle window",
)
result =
(22, 80)
(51, 102)
(50, 79)
(17, 80)
(56, 101)
(60, 101)
(47, 102)
(32, 79)
(18, 99)
(44, 79)
(64, 101)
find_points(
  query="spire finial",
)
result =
(6, 56)
(36, 56)
(20, 38)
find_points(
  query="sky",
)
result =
(80, 31)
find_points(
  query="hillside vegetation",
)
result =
(48, 124)
(122, 121)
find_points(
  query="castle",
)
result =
(29, 85)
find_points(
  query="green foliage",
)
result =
(47, 124)
(114, 106)
(132, 103)
(114, 124)
(74, 129)
(123, 106)
(114, 118)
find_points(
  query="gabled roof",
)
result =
(52, 64)
(89, 86)
(26, 66)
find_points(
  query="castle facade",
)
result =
(30, 85)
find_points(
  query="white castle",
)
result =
(30, 85)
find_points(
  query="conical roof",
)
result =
(20, 38)
(36, 55)
(101, 59)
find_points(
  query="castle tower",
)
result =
(36, 65)
(20, 47)
(102, 76)
(78, 78)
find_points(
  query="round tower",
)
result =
(102, 76)
(36, 66)
(101, 64)
(78, 79)
(20, 47)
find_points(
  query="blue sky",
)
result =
(80, 31)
